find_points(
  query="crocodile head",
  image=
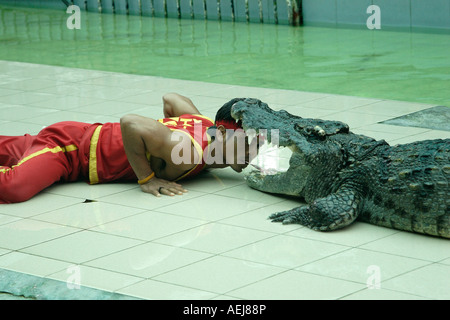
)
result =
(292, 131)
(308, 139)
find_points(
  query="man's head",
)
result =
(223, 116)
(238, 151)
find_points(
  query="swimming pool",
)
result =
(359, 62)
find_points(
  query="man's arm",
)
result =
(141, 135)
(176, 105)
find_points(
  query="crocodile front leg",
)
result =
(332, 212)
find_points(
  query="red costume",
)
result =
(70, 151)
(195, 127)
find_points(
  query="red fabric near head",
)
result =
(229, 124)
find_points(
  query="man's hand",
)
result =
(158, 186)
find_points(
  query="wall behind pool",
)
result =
(395, 14)
(403, 14)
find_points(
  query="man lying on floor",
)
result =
(156, 153)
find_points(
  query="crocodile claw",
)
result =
(285, 217)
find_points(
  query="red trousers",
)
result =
(65, 151)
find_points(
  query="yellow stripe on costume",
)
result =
(197, 147)
(204, 117)
(72, 147)
(173, 121)
(93, 174)
(4, 169)
(57, 149)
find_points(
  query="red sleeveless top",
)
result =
(195, 127)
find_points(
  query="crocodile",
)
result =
(344, 177)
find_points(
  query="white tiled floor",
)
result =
(215, 242)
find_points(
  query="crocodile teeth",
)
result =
(251, 134)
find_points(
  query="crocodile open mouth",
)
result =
(258, 120)
(280, 129)
(259, 124)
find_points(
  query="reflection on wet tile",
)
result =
(31, 264)
(96, 278)
(286, 251)
(296, 285)
(365, 264)
(431, 282)
(148, 226)
(148, 260)
(26, 232)
(356, 234)
(412, 245)
(81, 246)
(219, 207)
(156, 290)
(214, 274)
(214, 238)
(87, 215)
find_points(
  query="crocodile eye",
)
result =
(319, 131)
(251, 101)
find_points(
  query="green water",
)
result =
(359, 62)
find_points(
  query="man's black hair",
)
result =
(224, 113)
